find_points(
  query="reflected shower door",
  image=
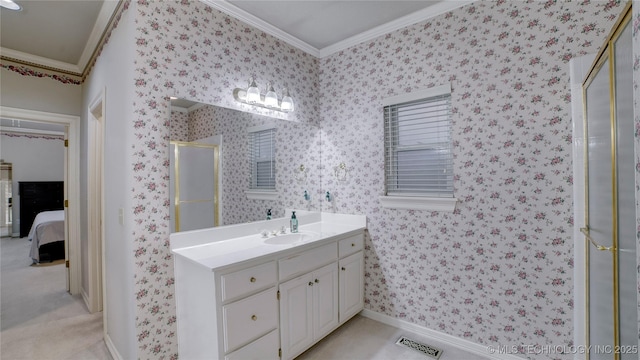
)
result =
(194, 179)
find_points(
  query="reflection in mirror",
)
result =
(209, 191)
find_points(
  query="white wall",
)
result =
(33, 159)
(113, 74)
(39, 93)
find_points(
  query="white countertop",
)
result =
(216, 248)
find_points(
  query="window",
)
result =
(418, 149)
(262, 159)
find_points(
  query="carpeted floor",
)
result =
(39, 319)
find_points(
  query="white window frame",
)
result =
(417, 201)
(255, 192)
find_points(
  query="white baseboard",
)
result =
(478, 349)
(112, 348)
(85, 297)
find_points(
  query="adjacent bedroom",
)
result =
(32, 158)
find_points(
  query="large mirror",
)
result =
(211, 167)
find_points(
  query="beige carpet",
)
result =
(39, 319)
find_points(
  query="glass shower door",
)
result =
(599, 184)
(610, 232)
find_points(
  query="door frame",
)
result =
(95, 293)
(71, 182)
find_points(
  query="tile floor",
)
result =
(364, 338)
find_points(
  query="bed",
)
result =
(47, 236)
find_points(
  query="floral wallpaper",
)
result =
(496, 271)
(296, 144)
(188, 50)
(499, 269)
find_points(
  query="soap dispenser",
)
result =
(294, 223)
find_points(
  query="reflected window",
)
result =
(262, 158)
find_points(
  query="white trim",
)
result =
(470, 346)
(113, 350)
(413, 18)
(408, 20)
(99, 27)
(258, 128)
(35, 59)
(72, 182)
(9, 129)
(262, 25)
(189, 109)
(95, 201)
(262, 194)
(417, 95)
(419, 203)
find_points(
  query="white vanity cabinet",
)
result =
(265, 301)
(351, 278)
(308, 309)
(230, 314)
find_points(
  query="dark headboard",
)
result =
(36, 197)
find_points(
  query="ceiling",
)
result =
(63, 35)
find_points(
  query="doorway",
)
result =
(6, 198)
(71, 183)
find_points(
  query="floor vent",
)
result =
(425, 349)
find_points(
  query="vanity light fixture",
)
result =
(252, 96)
(10, 4)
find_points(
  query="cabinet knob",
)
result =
(342, 268)
(352, 244)
(252, 279)
(310, 283)
(317, 281)
(254, 318)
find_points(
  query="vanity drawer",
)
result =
(244, 281)
(265, 348)
(350, 245)
(248, 319)
(307, 260)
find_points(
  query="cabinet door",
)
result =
(296, 321)
(351, 285)
(325, 300)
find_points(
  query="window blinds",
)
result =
(262, 159)
(418, 148)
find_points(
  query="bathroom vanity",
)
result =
(241, 295)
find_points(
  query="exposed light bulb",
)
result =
(271, 99)
(253, 93)
(287, 102)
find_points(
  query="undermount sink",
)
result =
(290, 238)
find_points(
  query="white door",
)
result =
(351, 285)
(296, 320)
(325, 300)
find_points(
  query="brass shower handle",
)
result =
(585, 232)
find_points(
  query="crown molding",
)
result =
(100, 27)
(39, 61)
(413, 18)
(260, 24)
